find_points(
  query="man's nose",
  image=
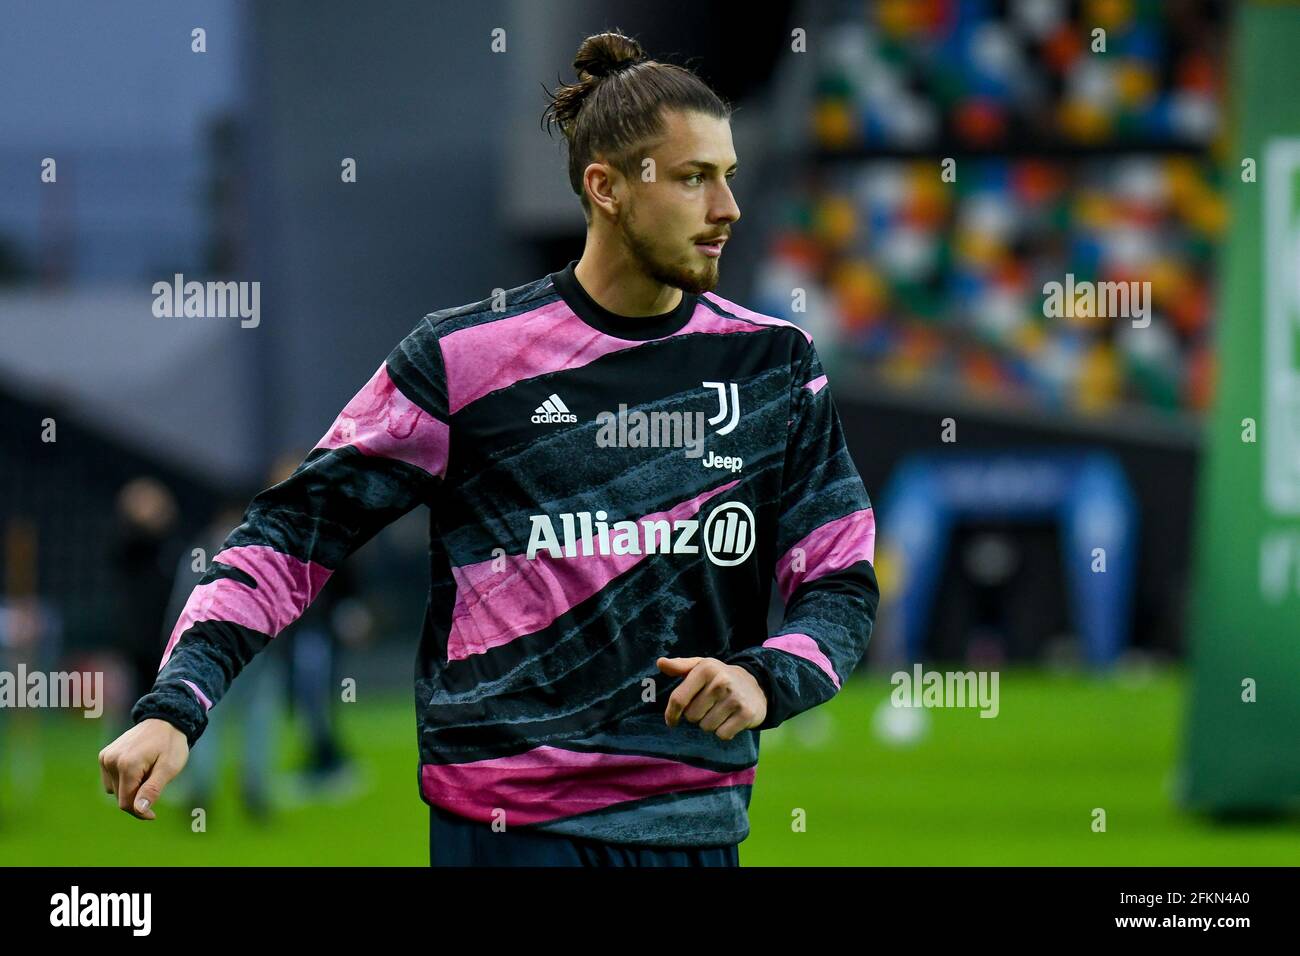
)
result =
(726, 210)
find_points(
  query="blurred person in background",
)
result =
(255, 703)
(142, 551)
(298, 669)
(337, 618)
(31, 635)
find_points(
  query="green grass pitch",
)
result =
(1018, 789)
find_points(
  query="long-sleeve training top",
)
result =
(602, 491)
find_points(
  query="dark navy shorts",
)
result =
(456, 841)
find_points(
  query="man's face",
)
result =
(666, 224)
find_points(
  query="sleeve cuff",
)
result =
(180, 716)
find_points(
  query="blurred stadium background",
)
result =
(1120, 689)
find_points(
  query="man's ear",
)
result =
(601, 180)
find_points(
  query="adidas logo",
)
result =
(553, 411)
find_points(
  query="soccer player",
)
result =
(617, 464)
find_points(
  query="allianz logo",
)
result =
(728, 536)
(656, 429)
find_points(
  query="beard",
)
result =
(675, 274)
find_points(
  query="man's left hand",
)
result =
(722, 698)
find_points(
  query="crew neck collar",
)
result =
(634, 327)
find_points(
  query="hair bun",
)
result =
(607, 53)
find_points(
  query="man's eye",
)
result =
(698, 178)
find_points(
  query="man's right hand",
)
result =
(137, 765)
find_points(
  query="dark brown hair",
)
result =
(617, 102)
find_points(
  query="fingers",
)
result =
(137, 774)
(685, 693)
(152, 789)
(733, 725)
(677, 665)
(718, 714)
(129, 779)
(715, 691)
(105, 777)
(711, 697)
